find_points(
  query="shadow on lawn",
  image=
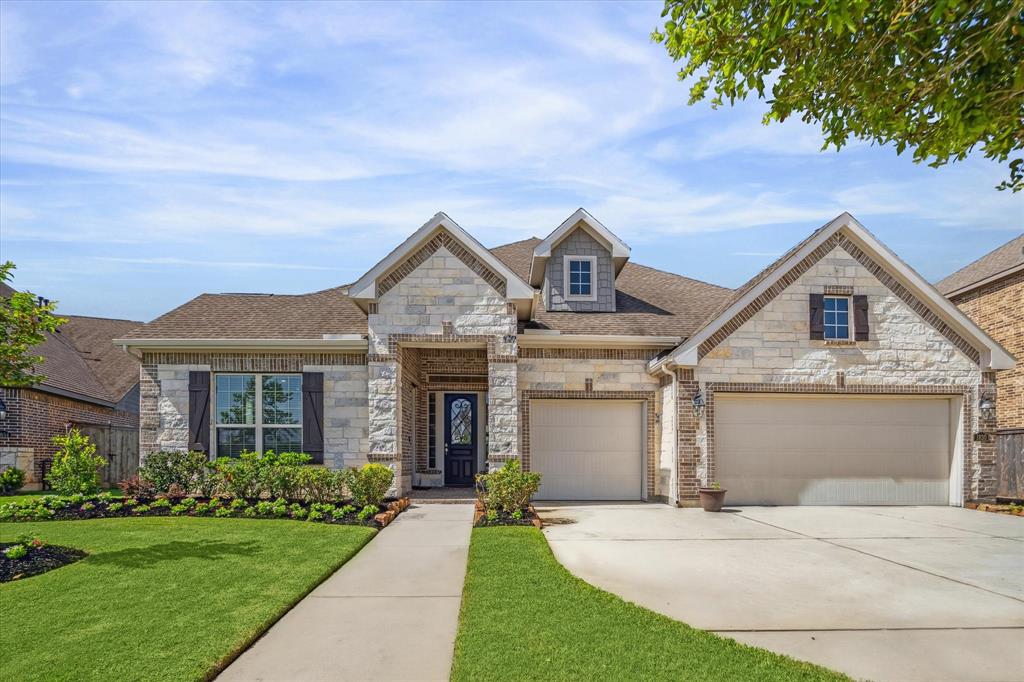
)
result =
(142, 557)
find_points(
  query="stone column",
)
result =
(502, 412)
(382, 400)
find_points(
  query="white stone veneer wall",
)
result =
(442, 290)
(666, 479)
(172, 406)
(346, 414)
(570, 374)
(774, 345)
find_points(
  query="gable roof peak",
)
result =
(365, 288)
(993, 356)
(619, 249)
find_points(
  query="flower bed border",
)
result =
(530, 518)
(99, 509)
(39, 560)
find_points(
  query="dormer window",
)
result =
(579, 277)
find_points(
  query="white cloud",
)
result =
(191, 263)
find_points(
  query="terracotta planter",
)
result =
(711, 499)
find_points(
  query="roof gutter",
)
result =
(342, 342)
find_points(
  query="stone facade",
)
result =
(440, 300)
(998, 308)
(579, 242)
(774, 345)
(771, 351)
(164, 396)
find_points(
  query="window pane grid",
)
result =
(277, 425)
(837, 318)
(580, 277)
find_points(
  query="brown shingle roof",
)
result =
(1007, 256)
(258, 316)
(647, 301)
(82, 359)
(93, 338)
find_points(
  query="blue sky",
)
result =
(150, 152)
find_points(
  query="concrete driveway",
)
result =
(881, 593)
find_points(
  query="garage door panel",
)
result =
(833, 450)
(587, 449)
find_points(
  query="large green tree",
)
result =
(939, 77)
(24, 321)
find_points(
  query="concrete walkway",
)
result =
(391, 613)
(907, 594)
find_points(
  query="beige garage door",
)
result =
(587, 449)
(833, 450)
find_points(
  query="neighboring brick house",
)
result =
(835, 376)
(990, 291)
(89, 382)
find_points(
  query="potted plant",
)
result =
(712, 497)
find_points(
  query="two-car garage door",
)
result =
(797, 449)
(587, 449)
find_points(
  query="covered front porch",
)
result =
(451, 398)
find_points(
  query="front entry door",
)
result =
(459, 438)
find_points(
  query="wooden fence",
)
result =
(1010, 462)
(119, 445)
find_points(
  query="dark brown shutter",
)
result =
(313, 415)
(199, 411)
(860, 318)
(817, 318)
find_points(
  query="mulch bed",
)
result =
(100, 509)
(39, 560)
(529, 518)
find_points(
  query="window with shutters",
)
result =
(837, 318)
(257, 412)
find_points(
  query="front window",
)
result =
(580, 273)
(258, 412)
(837, 318)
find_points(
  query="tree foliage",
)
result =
(24, 321)
(939, 77)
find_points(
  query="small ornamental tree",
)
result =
(24, 321)
(76, 466)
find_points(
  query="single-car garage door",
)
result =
(587, 449)
(833, 449)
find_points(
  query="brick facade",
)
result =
(35, 417)
(998, 308)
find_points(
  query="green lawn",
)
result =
(524, 617)
(160, 598)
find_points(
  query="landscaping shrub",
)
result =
(368, 484)
(76, 466)
(11, 479)
(318, 484)
(166, 468)
(137, 487)
(281, 474)
(508, 489)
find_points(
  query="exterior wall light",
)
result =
(987, 407)
(3, 410)
(698, 404)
